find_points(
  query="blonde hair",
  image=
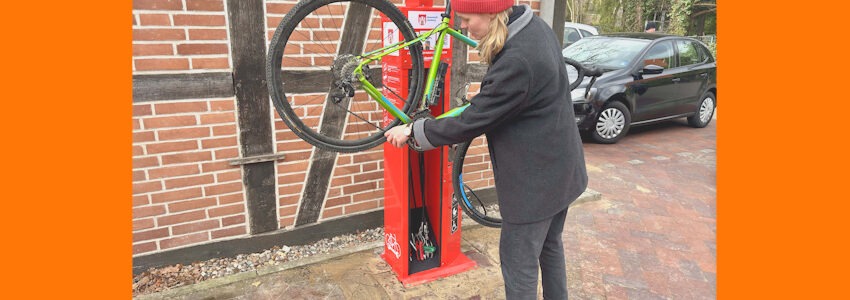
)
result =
(494, 40)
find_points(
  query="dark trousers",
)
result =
(526, 248)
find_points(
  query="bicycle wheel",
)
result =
(474, 184)
(309, 70)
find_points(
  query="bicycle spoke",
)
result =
(313, 40)
(336, 26)
(359, 117)
(396, 94)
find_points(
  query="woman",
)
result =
(525, 110)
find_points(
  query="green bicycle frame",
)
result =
(393, 110)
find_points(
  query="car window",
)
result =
(661, 55)
(705, 54)
(570, 35)
(586, 33)
(688, 54)
(605, 52)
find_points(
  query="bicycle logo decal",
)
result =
(392, 245)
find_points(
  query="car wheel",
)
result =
(612, 123)
(704, 112)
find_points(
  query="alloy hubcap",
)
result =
(705, 109)
(610, 123)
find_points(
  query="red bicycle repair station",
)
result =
(422, 222)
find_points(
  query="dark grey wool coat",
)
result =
(525, 110)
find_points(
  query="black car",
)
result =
(647, 78)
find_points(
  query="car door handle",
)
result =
(677, 79)
(703, 75)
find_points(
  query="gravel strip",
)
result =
(159, 279)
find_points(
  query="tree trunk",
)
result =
(639, 12)
(699, 25)
(619, 20)
(579, 12)
(577, 6)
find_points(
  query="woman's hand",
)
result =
(397, 136)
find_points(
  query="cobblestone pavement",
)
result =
(653, 233)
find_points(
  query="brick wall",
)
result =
(185, 192)
(179, 35)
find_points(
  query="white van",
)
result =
(576, 31)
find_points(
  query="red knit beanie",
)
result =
(481, 6)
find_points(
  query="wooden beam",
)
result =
(311, 81)
(357, 25)
(182, 86)
(248, 49)
(459, 70)
(256, 159)
(161, 87)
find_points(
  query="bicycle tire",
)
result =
(462, 196)
(337, 127)
(579, 71)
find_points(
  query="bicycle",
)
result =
(349, 117)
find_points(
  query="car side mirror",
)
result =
(652, 69)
